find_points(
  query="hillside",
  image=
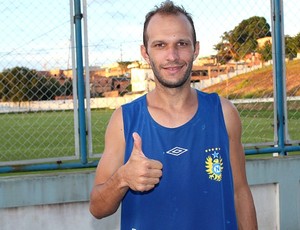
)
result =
(258, 83)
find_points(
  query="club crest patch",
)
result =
(214, 164)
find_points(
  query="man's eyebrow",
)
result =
(179, 40)
(157, 41)
(185, 40)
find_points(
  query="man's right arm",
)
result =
(113, 178)
(109, 188)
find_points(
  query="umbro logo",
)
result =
(176, 151)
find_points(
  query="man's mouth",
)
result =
(172, 68)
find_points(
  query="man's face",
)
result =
(170, 50)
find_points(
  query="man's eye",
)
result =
(159, 45)
(182, 43)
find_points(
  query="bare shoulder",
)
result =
(116, 122)
(227, 106)
(231, 116)
(113, 154)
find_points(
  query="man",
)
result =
(174, 157)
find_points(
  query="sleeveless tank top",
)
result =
(196, 187)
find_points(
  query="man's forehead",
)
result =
(169, 24)
(167, 17)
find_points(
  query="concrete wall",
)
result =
(60, 200)
(276, 185)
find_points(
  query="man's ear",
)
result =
(197, 50)
(144, 54)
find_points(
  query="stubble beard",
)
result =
(169, 84)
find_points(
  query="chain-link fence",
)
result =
(38, 102)
(36, 121)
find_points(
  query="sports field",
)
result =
(45, 134)
(51, 134)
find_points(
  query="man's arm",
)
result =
(109, 189)
(113, 178)
(244, 205)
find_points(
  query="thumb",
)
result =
(137, 144)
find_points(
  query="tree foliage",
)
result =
(292, 46)
(265, 51)
(236, 43)
(23, 84)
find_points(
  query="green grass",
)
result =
(45, 135)
(258, 125)
(35, 135)
(51, 134)
(100, 119)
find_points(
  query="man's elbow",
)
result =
(100, 210)
(95, 212)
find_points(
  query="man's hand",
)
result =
(140, 173)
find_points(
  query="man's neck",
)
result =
(172, 107)
(173, 97)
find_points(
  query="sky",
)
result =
(36, 34)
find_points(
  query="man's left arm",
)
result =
(244, 205)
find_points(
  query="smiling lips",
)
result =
(172, 69)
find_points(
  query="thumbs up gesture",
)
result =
(141, 173)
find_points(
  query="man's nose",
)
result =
(172, 53)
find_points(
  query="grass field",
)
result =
(51, 134)
(45, 135)
(258, 125)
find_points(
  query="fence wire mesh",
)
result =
(36, 78)
(292, 51)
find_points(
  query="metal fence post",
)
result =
(277, 20)
(80, 80)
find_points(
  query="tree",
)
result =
(235, 44)
(14, 85)
(23, 84)
(67, 88)
(290, 51)
(266, 51)
(292, 46)
(297, 41)
(225, 49)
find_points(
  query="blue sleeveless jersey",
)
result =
(196, 188)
